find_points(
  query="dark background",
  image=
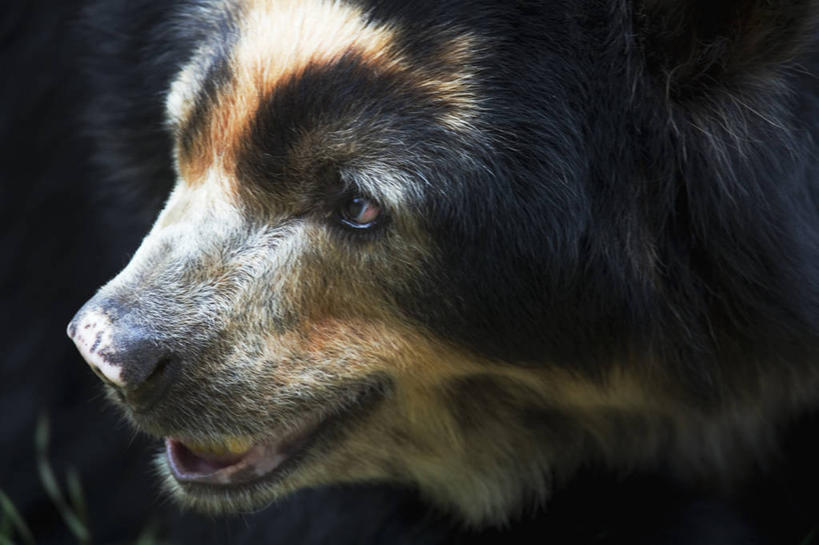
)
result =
(64, 231)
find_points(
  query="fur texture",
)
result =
(598, 240)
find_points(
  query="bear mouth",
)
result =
(233, 460)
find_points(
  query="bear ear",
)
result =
(694, 45)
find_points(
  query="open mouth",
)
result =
(233, 460)
(239, 460)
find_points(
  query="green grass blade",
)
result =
(49, 482)
(41, 439)
(76, 526)
(52, 487)
(5, 526)
(73, 520)
(42, 434)
(11, 514)
(75, 494)
(147, 536)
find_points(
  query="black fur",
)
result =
(674, 220)
(673, 217)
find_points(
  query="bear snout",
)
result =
(123, 353)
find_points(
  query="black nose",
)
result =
(123, 353)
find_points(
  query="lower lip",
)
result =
(260, 461)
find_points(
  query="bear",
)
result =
(466, 248)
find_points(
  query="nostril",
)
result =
(161, 376)
(155, 385)
(139, 355)
(160, 369)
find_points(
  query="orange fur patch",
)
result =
(279, 39)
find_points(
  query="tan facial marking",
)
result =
(420, 363)
(180, 100)
(453, 83)
(187, 204)
(279, 39)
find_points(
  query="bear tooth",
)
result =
(237, 445)
(230, 445)
(205, 448)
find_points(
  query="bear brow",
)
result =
(267, 90)
(275, 41)
(329, 114)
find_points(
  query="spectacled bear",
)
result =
(465, 247)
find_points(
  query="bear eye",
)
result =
(360, 212)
